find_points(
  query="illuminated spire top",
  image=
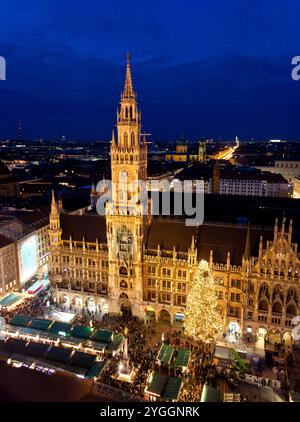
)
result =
(54, 210)
(53, 202)
(128, 91)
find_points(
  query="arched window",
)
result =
(125, 139)
(277, 307)
(132, 139)
(292, 294)
(263, 305)
(131, 114)
(126, 112)
(123, 271)
(291, 310)
(123, 284)
(277, 292)
(263, 291)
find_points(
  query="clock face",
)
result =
(55, 239)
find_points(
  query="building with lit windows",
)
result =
(125, 261)
(27, 230)
(8, 266)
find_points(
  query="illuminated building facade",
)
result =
(127, 262)
(27, 231)
(8, 266)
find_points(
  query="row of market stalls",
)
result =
(161, 386)
(10, 301)
(71, 346)
(172, 358)
(75, 361)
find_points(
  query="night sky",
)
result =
(212, 69)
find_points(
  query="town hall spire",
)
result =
(128, 91)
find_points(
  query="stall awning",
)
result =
(40, 324)
(95, 370)
(182, 358)
(157, 384)
(81, 331)
(103, 336)
(20, 320)
(94, 345)
(165, 354)
(83, 360)
(172, 388)
(60, 328)
(9, 300)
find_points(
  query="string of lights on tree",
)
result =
(203, 321)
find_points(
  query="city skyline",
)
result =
(67, 82)
(162, 265)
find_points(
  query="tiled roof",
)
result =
(87, 226)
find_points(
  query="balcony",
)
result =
(276, 314)
(260, 312)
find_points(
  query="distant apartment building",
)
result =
(289, 169)
(235, 181)
(257, 184)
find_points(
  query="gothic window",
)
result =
(125, 139)
(264, 291)
(277, 307)
(126, 112)
(277, 292)
(123, 284)
(132, 138)
(291, 309)
(131, 114)
(263, 305)
(291, 295)
(123, 271)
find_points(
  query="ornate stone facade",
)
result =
(128, 262)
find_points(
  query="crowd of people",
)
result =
(34, 306)
(143, 348)
(141, 358)
(143, 342)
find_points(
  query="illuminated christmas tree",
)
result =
(203, 322)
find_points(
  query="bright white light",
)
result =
(62, 316)
(28, 258)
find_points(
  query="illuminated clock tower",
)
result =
(125, 219)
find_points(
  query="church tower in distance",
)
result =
(125, 219)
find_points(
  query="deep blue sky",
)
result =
(213, 68)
